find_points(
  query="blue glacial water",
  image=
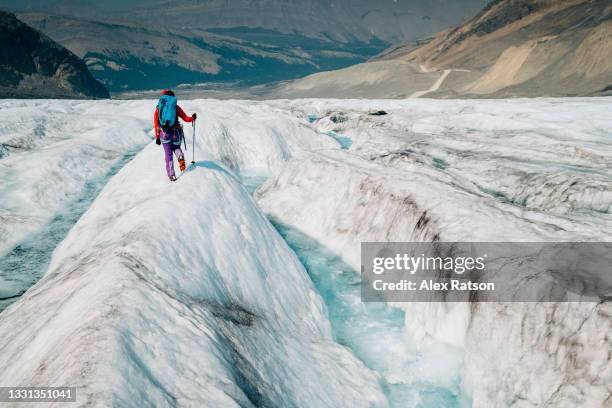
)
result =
(375, 333)
(345, 142)
(25, 264)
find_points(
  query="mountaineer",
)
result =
(168, 130)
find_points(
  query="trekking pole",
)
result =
(193, 144)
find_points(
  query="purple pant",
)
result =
(171, 141)
(170, 148)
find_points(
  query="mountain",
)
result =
(339, 20)
(167, 43)
(511, 48)
(389, 21)
(153, 58)
(34, 66)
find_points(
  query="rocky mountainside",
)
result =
(173, 42)
(511, 48)
(34, 66)
(340, 20)
(152, 58)
(529, 47)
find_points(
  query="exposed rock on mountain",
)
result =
(149, 58)
(341, 20)
(33, 66)
(168, 43)
(528, 47)
(511, 48)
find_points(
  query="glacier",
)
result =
(54, 159)
(180, 294)
(239, 285)
(513, 170)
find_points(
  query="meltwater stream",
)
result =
(25, 264)
(375, 332)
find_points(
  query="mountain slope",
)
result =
(340, 20)
(250, 42)
(511, 48)
(33, 66)
(529, 47)
(150, 58)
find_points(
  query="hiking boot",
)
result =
(173, 178)
(182, 164)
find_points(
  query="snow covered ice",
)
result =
(54, 158)
(185, 294)
(517, 170)
(180, 294)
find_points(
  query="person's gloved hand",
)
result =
(194, 116)
(157, 141)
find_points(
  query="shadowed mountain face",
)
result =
(511, 48)
(34, 66)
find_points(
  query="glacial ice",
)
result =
(54, 158)
(179, 294)
(375, 333)
(184, 294)
(515, 170)
(44, 146)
